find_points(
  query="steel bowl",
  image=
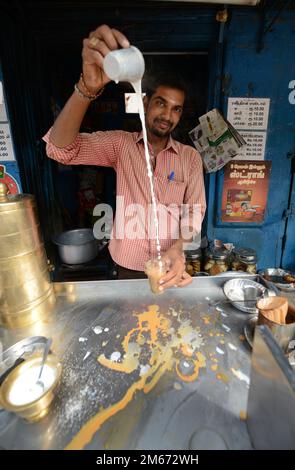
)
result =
(77, 246)
(38, 408)
(243, 289)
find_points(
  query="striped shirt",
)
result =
(124, 151)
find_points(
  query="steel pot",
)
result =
(77, 246)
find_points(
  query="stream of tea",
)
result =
(138, 90)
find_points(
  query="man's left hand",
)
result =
(176, 276)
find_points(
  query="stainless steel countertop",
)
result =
(206, 413)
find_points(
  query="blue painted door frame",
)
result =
(288, 251)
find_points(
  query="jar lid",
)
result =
(193, 254)
(218, 253)
(246, 254)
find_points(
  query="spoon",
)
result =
(45, 354)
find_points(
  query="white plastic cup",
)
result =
(124, 65)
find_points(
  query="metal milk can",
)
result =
(26, 294)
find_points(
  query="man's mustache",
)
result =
(162, 121)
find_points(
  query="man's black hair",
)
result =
(173, 80)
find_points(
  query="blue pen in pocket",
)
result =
(171, 176)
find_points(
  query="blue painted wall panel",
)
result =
(267, 75)
(288, 245)
(11, 167)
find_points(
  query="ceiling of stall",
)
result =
(66, 22)
(150, 23)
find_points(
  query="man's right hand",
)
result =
(99, 43)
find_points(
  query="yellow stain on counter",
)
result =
(243, 415)
(187, 350)
(200, 362)
(223, 377)
(151, 324)
(84, 436)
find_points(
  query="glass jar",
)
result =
(193, 261)
(244, 259)
(217, 261)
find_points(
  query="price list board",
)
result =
(255, 148)
(6, 149)
(250, 117)
(3, 115)
(248, 113)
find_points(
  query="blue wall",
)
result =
(11, 167)
(267, 75)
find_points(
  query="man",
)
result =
(178, 176)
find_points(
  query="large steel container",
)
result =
(26, 294)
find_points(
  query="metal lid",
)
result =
(12, 199)
(246, 254)
(75, 237)
(193, 254)
(218, 253)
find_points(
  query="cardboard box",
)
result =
(216, 140)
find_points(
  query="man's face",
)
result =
(164, 110)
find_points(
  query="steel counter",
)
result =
(122, 409)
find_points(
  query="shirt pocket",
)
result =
(169, 192)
